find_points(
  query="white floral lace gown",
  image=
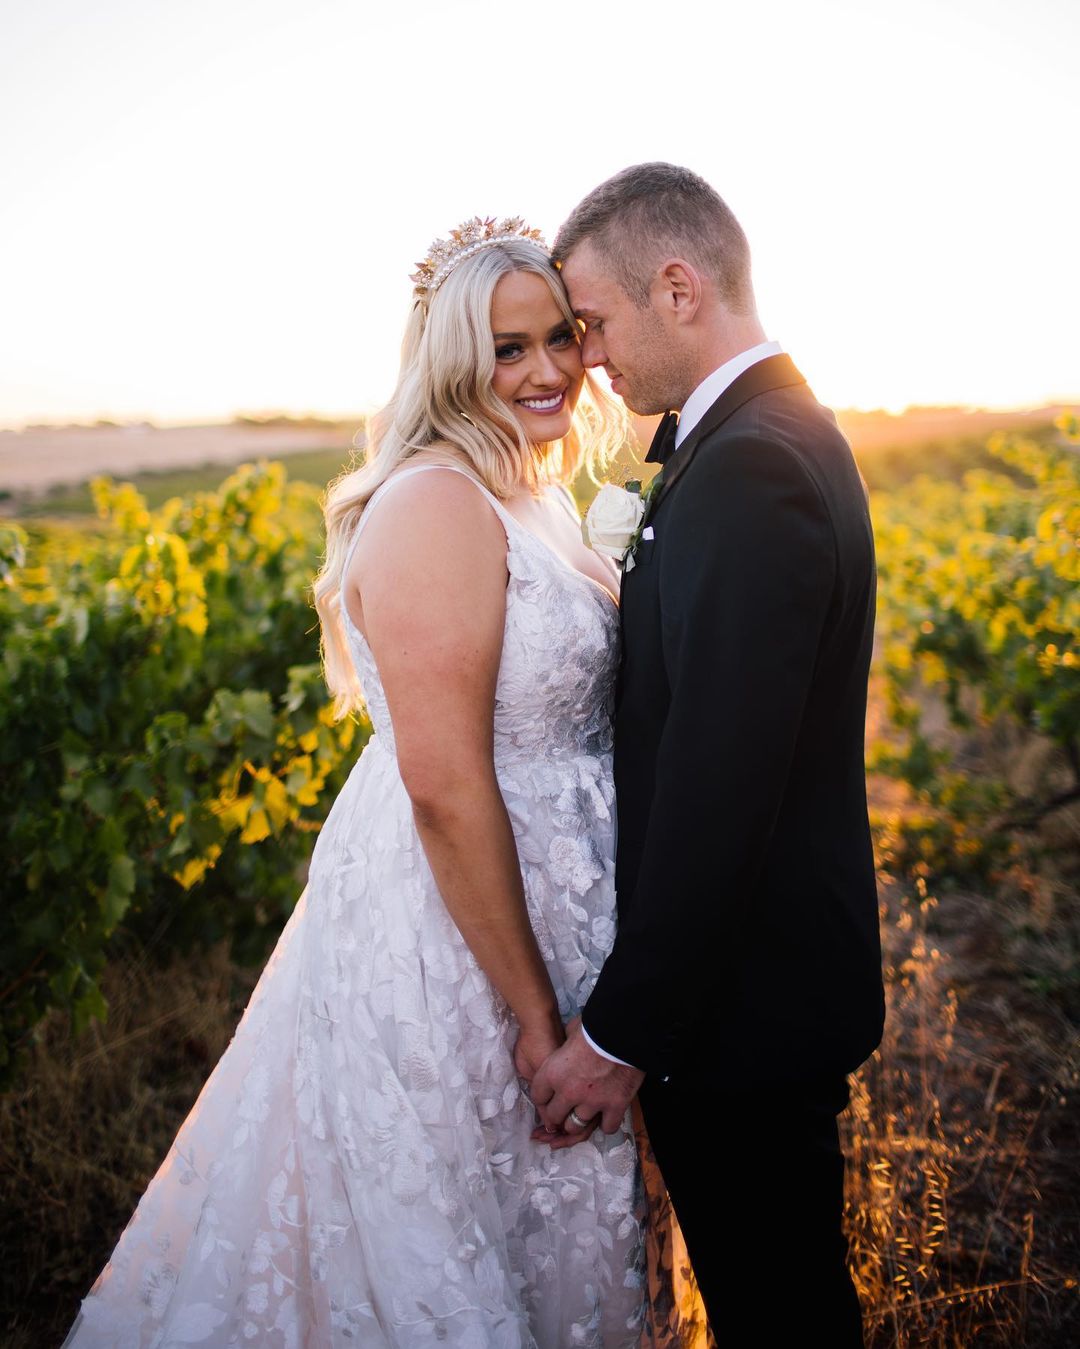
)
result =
(358, 1169)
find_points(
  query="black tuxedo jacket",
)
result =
(748, 944)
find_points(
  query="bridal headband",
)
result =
(470, 238)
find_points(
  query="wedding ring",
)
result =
(576, 1120)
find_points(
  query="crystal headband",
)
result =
(468, 239)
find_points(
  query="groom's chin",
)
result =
(645, 407)
(640, 404)
(640, 407)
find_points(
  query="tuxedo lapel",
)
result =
(774, 372)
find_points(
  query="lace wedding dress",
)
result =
(358, 1169)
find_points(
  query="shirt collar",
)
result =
(712, 386)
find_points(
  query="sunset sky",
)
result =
(213, 206)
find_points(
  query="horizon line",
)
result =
(268, 417)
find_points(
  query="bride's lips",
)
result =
(544, 407)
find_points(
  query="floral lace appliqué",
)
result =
(358, 1171)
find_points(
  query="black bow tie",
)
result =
(663, 442)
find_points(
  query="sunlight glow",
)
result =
(215, 207)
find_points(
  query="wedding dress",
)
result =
(358, 1169)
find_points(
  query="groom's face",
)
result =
(631, 343)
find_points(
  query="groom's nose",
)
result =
(592, 350)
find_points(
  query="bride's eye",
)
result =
(508, 351)
(563, 337)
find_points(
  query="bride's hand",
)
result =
(535, 1045)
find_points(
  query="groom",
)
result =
(745, 980)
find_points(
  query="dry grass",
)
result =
(962, 1206)
(964, 1214)
(964, 1200)
(80, 1141)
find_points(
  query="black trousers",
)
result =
(757, 1183)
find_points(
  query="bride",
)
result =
(360, 1168)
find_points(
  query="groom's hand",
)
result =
(576, 1078)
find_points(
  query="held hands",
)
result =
(536, 1042)
(576, 1078)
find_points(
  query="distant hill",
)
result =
(869, 431)
(39, 459)
(915, 425)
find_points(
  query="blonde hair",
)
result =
(444, 402)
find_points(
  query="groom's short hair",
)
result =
(649, 212)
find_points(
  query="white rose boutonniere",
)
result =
(612, 521)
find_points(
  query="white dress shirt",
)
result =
(712, 386)
(695, 407)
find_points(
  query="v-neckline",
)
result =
(566, 566)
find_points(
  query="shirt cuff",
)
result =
(603, 1052)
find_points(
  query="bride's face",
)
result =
(538, 368)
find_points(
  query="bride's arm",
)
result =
(431, 571)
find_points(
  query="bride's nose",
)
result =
(545, 373)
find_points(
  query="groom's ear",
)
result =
(677, 290)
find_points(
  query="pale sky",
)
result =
(212, 206)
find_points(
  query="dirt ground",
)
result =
(35, 459)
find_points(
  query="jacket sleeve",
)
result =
(746, 577)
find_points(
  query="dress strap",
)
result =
(380, 491)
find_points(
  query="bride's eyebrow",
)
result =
(524, 337)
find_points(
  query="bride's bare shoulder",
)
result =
(440, 511)
(423, 486)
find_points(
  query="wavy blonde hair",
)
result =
(444, 402)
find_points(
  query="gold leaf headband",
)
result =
(470, 238)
